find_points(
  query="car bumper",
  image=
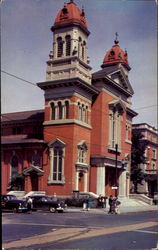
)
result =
(60, 209)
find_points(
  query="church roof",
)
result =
(70, 13)
(23, 115)
(19, 139)
(115, 55)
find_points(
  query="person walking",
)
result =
(117, 206)
(110, 204)
(29, 205)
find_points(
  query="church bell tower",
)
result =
(68, 98)
(69, 56)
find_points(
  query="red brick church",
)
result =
(81, 141)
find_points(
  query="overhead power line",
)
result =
(147, 107)
(19, 78)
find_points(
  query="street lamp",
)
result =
(116, 186)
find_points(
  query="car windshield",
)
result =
(45, 199)
(10, 197)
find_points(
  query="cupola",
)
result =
(69, 14)
(115, 56)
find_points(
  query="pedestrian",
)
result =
(113, 205)
(100, 201)
(117, 206)
(54, 197)
(29, 205)
(87, 202)
(110, 204)
(104, 205)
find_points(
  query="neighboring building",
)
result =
(150, 168)
(87, 119)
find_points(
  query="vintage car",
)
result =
(10, 202)
(47, 204)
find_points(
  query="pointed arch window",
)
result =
(36, 159)
(14, 166)
(60, 46)
(68, 45)
(57, 154)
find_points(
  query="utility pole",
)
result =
(116, 185)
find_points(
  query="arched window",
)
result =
(82, 152)
(60, 110)
(53, 111)
(66, 109)
(14, 166)
(57, 164)
(82, 51)
(60, 46)
(82, 112)
(79, 46)
(116, 110)
(36, 159)
(68, 45)
(57, 154)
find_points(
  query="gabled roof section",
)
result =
(119, 76)
(33, 169)
(118, 105)
(115, 77)
(56, 143)
(82, 144)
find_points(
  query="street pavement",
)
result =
(123, 209)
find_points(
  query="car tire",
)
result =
(60, 211)
(52, 209)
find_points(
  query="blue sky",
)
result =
(27, 39)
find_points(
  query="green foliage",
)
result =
(137, 157)
(16, 183)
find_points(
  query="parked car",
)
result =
(10, 202)
(47, 204)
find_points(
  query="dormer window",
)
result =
(64, 10)
(112, 53)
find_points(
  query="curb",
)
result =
(105, 211)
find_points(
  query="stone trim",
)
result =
(67, 121)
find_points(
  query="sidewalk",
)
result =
(123, 209)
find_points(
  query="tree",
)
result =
(16, 183)
(137, 157)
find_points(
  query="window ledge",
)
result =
(128, 141)
(67, 121)
(56, 182)
(113, 150)
(81, 164)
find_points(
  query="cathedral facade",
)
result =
(81, 141)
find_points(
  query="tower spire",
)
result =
(116, 40)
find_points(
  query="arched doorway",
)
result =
(32, 178)
(81, 181)
(34, 181)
